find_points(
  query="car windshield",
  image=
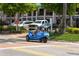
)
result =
(37, 21)
(25, 22)
(28, 22)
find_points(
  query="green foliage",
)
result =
(58, 7)
(68, 37)
(65, 37)
(13, 8)
(77, 5)
(73, 30)
(72, 8)
(12, 29)
(53, 35)
(0, 28)
(0, 22)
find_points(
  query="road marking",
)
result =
(34, 52)
(67, 48)
(58, 46)
(14, 47)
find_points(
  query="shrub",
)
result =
(1, 27)
(12, 29)
(69, 30)
(5, 28)
(73, 30)
(22, 29)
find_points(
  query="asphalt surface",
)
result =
(12, 46)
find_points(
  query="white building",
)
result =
(37, 15)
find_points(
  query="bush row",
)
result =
(12, 29)
(73, 30)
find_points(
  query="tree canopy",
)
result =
(12, 8)
(58, 7)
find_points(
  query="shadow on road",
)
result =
(12, 40)
(15, 40)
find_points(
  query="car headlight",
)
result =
(46, 34)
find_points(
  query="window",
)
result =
(29, 14)
(48, 13)
(28, 22)
(37, 21)
(21, 22)
(34, 13)
(43, 22)
(41, 12)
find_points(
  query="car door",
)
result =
(25, 25)
(46, 24)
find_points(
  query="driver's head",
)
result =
(40, 28)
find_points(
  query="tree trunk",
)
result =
(60, 26)
(63, 20)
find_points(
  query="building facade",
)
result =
(42, 14)
(38, 15)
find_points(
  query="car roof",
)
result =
(40, 20)
(27, 21)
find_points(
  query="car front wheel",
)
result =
(44, 40)
(27, 38)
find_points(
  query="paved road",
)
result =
(39, 49)
(18, 47)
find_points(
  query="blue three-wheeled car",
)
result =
(37, 35)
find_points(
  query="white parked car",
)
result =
(40, 23)
(22, 23)
(13, 24)
(25, 24)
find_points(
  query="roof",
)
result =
(40, 20)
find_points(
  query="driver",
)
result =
(35, 31)
(38, 29)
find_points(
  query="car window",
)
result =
(21, 22)
(43, 22)
(37, 21)
(27, 22)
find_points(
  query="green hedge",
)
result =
(1, 27)
(73, 30)
(12, 29)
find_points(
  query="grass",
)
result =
(65, 37)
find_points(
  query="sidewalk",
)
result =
(22, 35)
(8, 36)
